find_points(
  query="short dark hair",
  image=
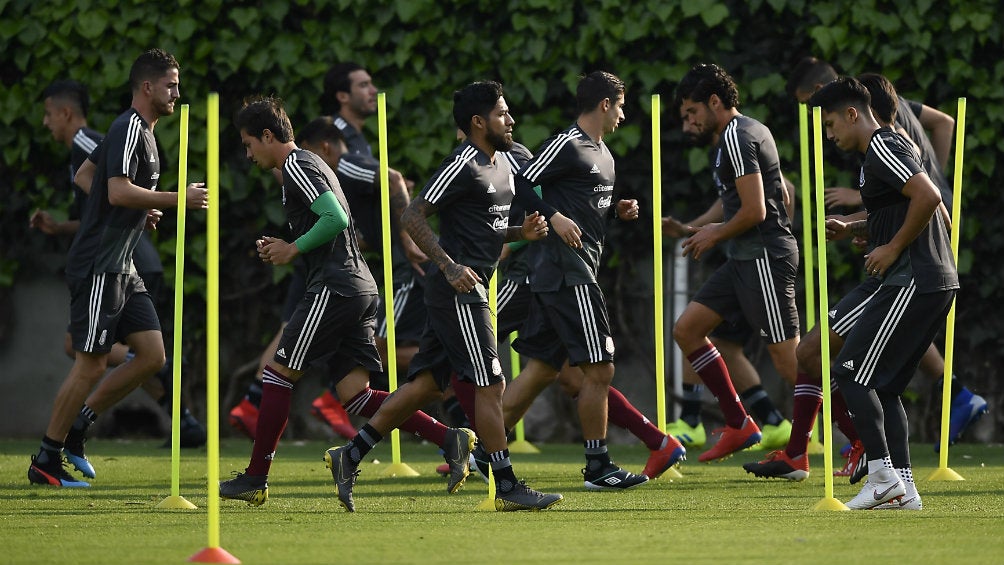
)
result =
(151, 65)
(259, 113)
(705, 79)
(69, 92)
(337, 80)
(318, 130)
(807, 73)
(841, 93)
(885, 101)
(475, 99)
(595, 87)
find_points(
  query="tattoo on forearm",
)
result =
(859, 228)
(514, 233)
(414, 221)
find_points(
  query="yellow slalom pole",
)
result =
(175, 500)
(519, 445)
(396, 467)
(488, 503)
(213, 553)
(660, 347)
(943, 472)
(808, 256)
(828, 502)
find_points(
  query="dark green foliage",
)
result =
(419, 51)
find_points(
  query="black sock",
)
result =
(690, 407)
(505, 477)
(759, 403)
(85, 418)
(49, 451)
(254, 393)
(364, 441)
(597, 456)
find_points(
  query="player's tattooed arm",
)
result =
(415, 220)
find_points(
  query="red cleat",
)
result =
(733, 440)
(244, 418)
(662, 459)
(855, 459)
(327, 409)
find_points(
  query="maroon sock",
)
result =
(842, 416)
(621, 413)
(465, 393)
(711, 368)
(808, 399)
(276, 391)
(421, 424)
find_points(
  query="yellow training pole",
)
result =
(519, 445)
(488, 503)
(828, 502)
(660, 346)
(944, 473)
(175, 500)
(213, 553)
(808, 257)
(396, 467)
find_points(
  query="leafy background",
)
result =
(419, 51)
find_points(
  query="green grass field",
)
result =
(714, 514)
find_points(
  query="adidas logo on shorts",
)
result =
(281, 353)
(849, 365)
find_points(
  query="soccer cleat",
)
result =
(344, 472)
(860, 471)
(687, 435)
(522, 497)
(908, 502)
(327, 409)
(481, 461)
(52, 473)
(244, 418)
(611, 477)
(732, 440)
(855, 463)
(967, 409)
(778, 465)
(252, 489)
(74, 453)
(775, 437)
(457, 446)
(444, 468)
(662, 459)
(882, 486)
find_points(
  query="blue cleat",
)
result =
(967, 409)
(52, 473)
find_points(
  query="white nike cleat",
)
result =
(906, 503)
(881, 487)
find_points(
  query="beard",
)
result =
(164, 108)
(699, 139)
(501, 142)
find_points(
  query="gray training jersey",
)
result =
(747, 147)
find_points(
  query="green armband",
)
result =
(331, 221)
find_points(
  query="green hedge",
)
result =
(421, 50)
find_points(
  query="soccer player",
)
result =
(757, 281)
(909, 255)
(568, 316)
(66, 104)
(471, 192)
(913, 118)
(108, 301)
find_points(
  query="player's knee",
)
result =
(808, 352)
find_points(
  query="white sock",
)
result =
(876, 465)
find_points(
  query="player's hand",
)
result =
(153, 217)
(462, 278)
(197, 196)
(415, 255)
(627, 210)
(880, 259)
(567, 230)
(837, 228)
(276, 251)
(704, 238)
(672, 227)
(841, 196)
(534, 227)
(42, 221)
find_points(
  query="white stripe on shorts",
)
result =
(589, 330)
(885, 330)
(468, 330)
(94, 310)
(309, 329)
(770, 303)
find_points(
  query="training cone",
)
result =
(944, 474)
(175, 503)
(830, 504)
(400, 470)
(522, 446)
(213, 555)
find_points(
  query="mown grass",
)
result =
(714, 514)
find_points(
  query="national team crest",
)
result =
(496, 367)
(609, 345)
(861, 178)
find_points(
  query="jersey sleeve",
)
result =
(357, 174)
(894, 163)
(123, 149)
(303, 180)
(742, 151)
(552, 160)
(450, 180)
